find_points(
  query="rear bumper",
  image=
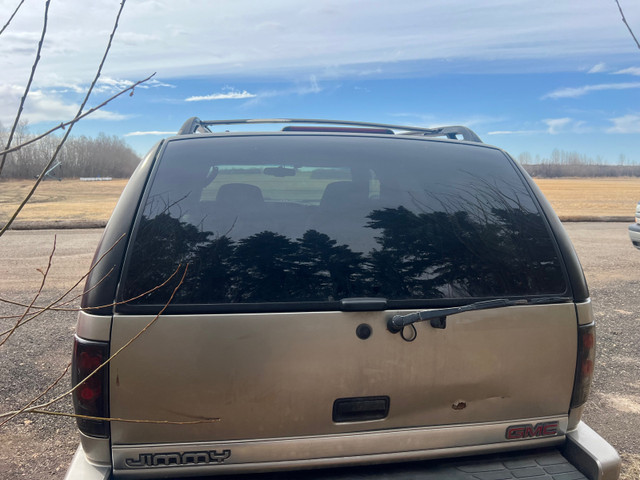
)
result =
(592, 454)
(81, 469)
(584, 456)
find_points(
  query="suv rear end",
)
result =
(325, 296)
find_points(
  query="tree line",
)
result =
(573, 164)
(82, 156)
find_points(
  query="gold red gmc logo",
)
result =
(519, 432)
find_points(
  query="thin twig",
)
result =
(625, 22)
(122, 302)
(11, 17)
(68, 131)
(87, 417)
(77, 118)
(108, 360)
(45, 274)
(54, 303)
(47, 390)
(126, 420)
(58, 306)
(28, 87)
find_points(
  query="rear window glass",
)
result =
(288, 220)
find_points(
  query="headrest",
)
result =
(337, 195)
(234, 194)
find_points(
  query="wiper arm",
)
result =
(438, 316)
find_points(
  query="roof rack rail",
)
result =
(195, 125)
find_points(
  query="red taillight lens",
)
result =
(90, 398)
(585, 364)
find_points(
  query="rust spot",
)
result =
(459, 405)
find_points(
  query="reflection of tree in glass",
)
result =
(479, 243)
(327, 271)
(211, 276)
(402, 264)
(162, 243)
(264, 268)
(501, 249)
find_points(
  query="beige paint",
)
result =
(269, 376)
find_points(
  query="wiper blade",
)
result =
(438, 316)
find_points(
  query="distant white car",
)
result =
(634, 229)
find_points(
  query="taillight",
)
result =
(585, 364)
(91, 397)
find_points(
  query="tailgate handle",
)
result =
(360, 409)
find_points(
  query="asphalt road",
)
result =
(37, 446)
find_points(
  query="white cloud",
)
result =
(108, 84)
(221, 96)
(153, 83)
(44, 106)
(599, 68)
(308, 88)
(113, 85)
(154, 132)
(313, 85)
(625, 124)
(556, 125)
(629, 71)
(280, 38)
(575, 92)
(103, 114)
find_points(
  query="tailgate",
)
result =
(273, 381)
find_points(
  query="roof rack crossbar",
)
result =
(195, 125)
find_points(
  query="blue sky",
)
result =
(528, 76)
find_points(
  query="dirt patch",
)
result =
(625, 404)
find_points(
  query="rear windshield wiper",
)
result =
(438, 316)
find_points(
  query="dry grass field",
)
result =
(71, 200)
(66, 200)
(575, 198)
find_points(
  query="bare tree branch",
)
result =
(625, 22)
(77, 118)
(58, 305)
(11, 17)
(68, 132)
(38, 408)
(53, 305)
(46, 390)
(37, 295)
(37, 314)
(28, 87)
(125, 420)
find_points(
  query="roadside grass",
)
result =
(73, 200)
(592, 197)
(69, 199)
